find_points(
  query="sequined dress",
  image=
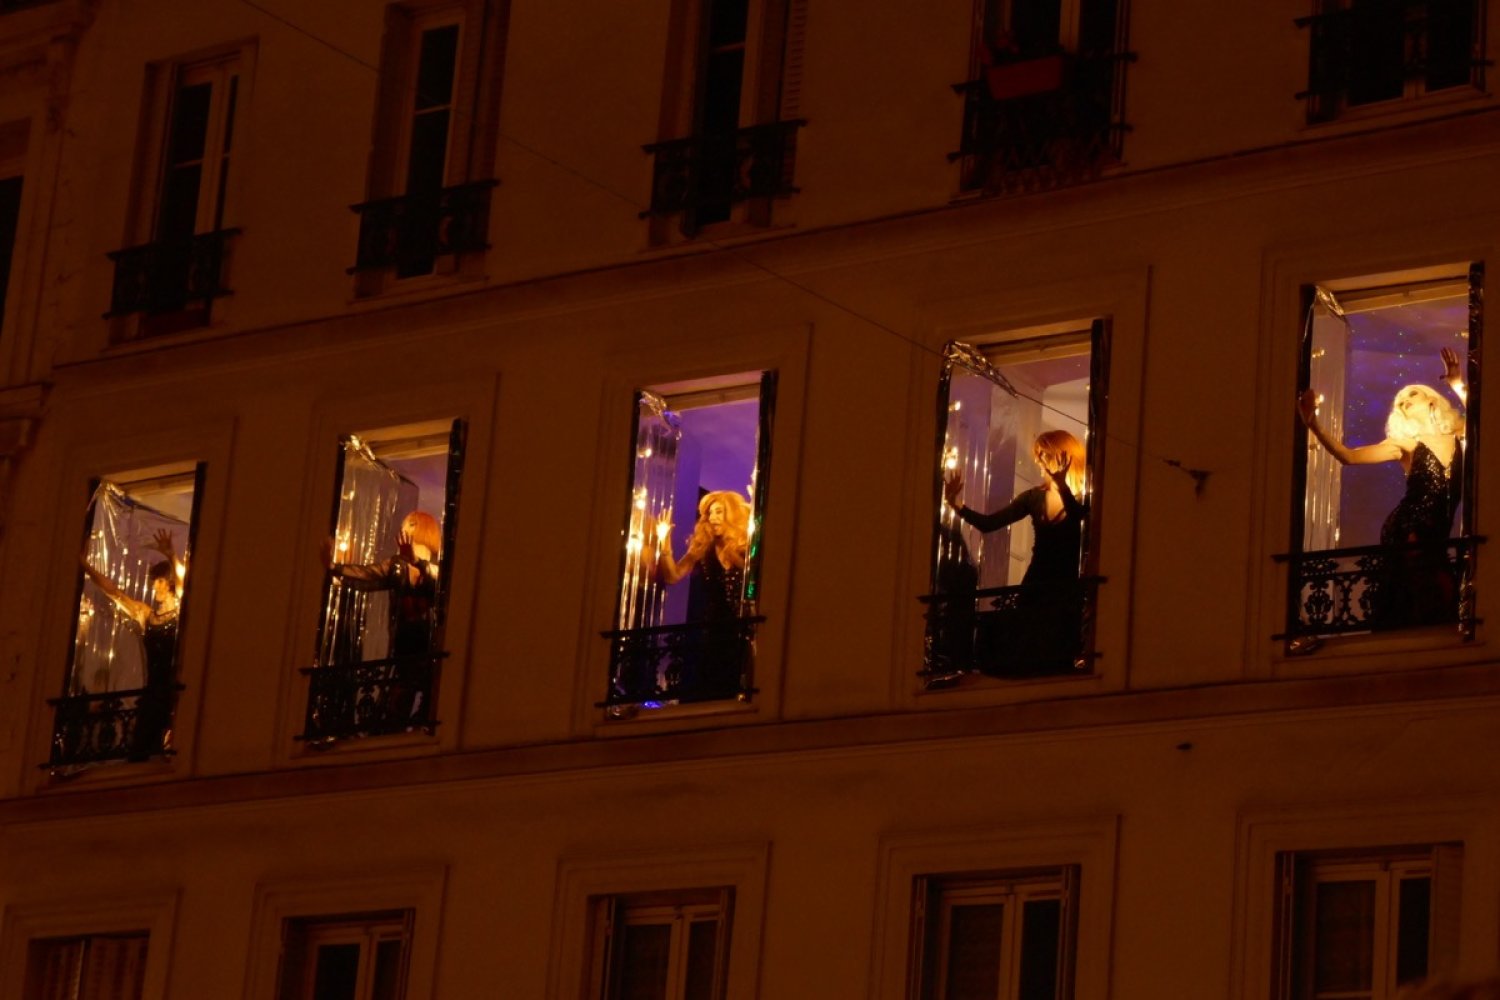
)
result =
(1425, 513)
(1418, 585)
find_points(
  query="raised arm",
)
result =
(1453, 374)
(1369, 454)
(672, 570)
(953, 488)
(138, 611)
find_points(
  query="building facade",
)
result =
(493, 499)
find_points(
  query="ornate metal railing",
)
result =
(699, 661)
(1009, 632)
(753, 162)
(1020, 138)
(131, 725)
(371, 698)
(411, 231)
(1360, 53)
(1377, 588)
(169, 276)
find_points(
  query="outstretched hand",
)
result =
(404, 548)
(1452, 370)
(162, 542)
(1059, 475)
(953, 488)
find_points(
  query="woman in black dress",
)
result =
(715, 664)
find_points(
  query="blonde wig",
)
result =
(736, 526)
(1049, 449)
(1426, 412)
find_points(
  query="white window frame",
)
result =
(312, 933)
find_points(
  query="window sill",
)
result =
(111, 774)
(1399, 111)
(1388, 652)
(418, 289)
(392, 745)
(720, 234)
(670, 718)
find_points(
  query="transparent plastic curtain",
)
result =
(1325, 335)
(108, 654)
(654, 478)
(373, 500)
(750, 585)
(980, 422)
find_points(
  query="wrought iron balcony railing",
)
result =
(411, 231)
(1058, 123)
(169, 276)
(1376, 588)
(1360, 53)
(129, 725)
(753, 162)
(666, 664)
(371, 698)
(1009, 632)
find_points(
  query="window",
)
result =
(1358, 925)
(101, 967)
(1368, 52)
(430, 179)
(121, 688)
(662, 946)
(12, 161)
(731, 145)
(690, 569)
(1044, 101)
(174, 279)
(389, 553)
(1002, 937)
(1374, 546)
(1014, 550)
(347, 958)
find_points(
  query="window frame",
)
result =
(71, 914)
(673, 908)
(303, 936)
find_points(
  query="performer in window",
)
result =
(156, 624)
(1050, 632)
(1424, 432)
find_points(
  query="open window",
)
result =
(1364, 53)
(1361, 924)
(357, 957)
(1383, 504)
(97, 967)
(173, 280)
(661, 946)
(1015, 538)
(389, 554)
(1004, 936)
(690, 570)
(120, 693)
(1044, 102)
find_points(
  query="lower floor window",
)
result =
(347, 958)
(1358, 925)
(101, 967)
(662, 946)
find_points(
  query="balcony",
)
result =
(703, 174)
(1371, 52)
(370, 698)
(169, 277)
(410, 232)
(1040, 630)
(131, 725)
(1042, 123)
(1377, 588)
(678, 664)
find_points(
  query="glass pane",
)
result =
(645, 954)
(189, 129)
(177, 215)
(1450, 44)
(114, 968)
(1413, 923)
(429, 151)
(653, 494)
(726, 22)
(974, 942)
(703, 939)
(1035, 27)
(337, 972)
(722, 79)
(1378, 42)
(1343, 936)
(387, 971)
(1041, 943)
(134, 584)
(10, 215)
(435, 67)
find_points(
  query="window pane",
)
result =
(429, 150)
(1035, 26)
(177, 217)
(337, 972)
(974, 941)
(645, 953)
(703, 939)
(726, 22)
(1414, 908)
(114, 968)
(436, 65)
(1450, 42)
(1041, 942)
(189, 129)
(1344, 936)
(1378, 41)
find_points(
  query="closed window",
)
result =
(689, 590)
(1358, 925)
(1007, 936)
(388, 556)
(120, 693)
(101, 967)
(346, 958)
(1387, 455)
(662, 946)
(1016, 502)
